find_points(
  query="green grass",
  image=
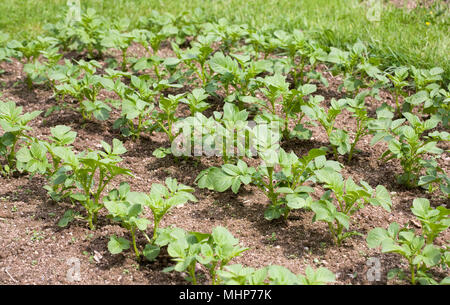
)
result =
(401, 37)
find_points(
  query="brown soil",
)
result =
(34, 250)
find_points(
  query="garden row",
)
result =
(271, 76)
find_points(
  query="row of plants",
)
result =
(73, 176)
(268, 75)
(83, 177)
(225, 68)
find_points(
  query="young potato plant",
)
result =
(38, 71)
(300, 49)
(338, 138)
(89, 33)
(86, 89)
(260, 41)
(124, 207)
(237, 71)
(91, 172)
(152, 40)
(285, 188)
(229, 122)
(229, 34)
(276, 89)
(30, 51)
(360, 70)
(5, 52)
(435, 175)
(15, 129)
(133, 107)
(417, 249)
(214, 251)
(196, 101)
(430, 98)
(162, 198)
(274, 275)
(196, 57)
(348, 199)
(407, 142)
(34, 159)
(120, 40)
(399, 81)
(166, 119)
(433, 220)
(424, 77)
(61, 74)
(359, 111)
(138, 104)
(224, 134)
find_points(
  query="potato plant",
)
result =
(15, 129)
(408, 142)
(418, 249)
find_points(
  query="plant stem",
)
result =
(352, 148)
(286, 214)
(133, 238)
(192, 274)
(286, 126)
(90, 220)
(29, 82)
(124, 60)
(12, 155)
(155, 229)
(272, 194)
(330, 227)
(335, 153)
(413, 278)
(397, 111)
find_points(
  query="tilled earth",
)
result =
(34, 250)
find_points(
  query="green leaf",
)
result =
(272, 212)
(301, 132)
(421, 207)
(445, 281)
(68, 216)
(320, 276)
(161, 152)
(151, 252)
(284, 190)
(376, 237)
(430, 148)
(382, 198)
(78, 197)
(142, 223)
(395, 146)
(388, 245)
(24, 155)
(332, 179)
(178, 248)
(118, 148)
(295, 202)
(236, 185)
(220, 181)
(222, 236)
(282, 276)
(117, 245)
(343, 219)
